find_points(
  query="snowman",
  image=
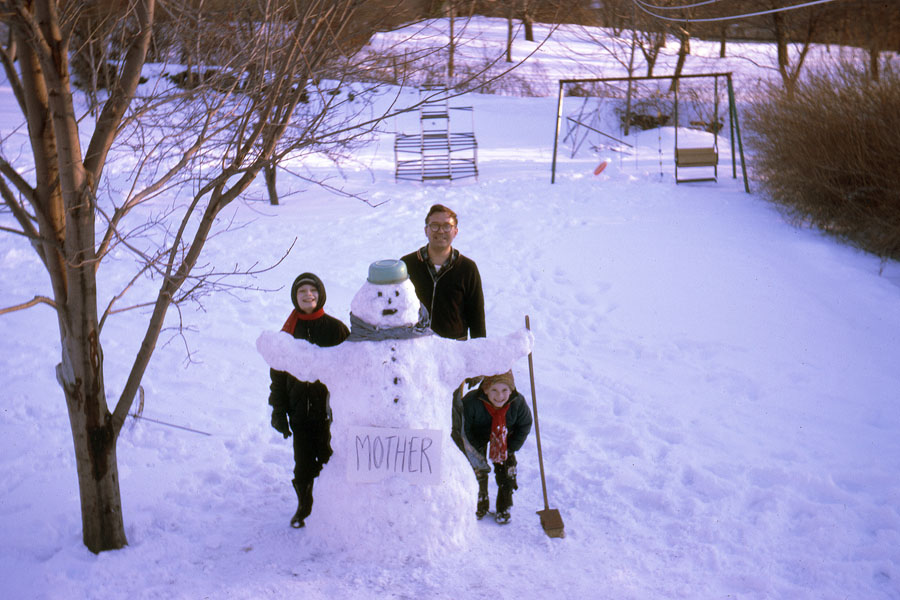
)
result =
(395, 479)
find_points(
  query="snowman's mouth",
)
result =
(389, 311)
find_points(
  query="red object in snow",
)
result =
(601, 166)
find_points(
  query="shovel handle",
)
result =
(537, 428)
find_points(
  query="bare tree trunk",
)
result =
(509, 33)
(684, 48)
(790, 74)
(781, 44)
(651, 44)
(527, 21)
(630, 90)
(722, 39)
(270, 184)
(80, 372)
(869, 20)
(94, 437)
(65, 209)
(451, 46)
(874, 54)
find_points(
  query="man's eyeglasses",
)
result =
(445, 227)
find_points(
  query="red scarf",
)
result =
(296, 315)
(497, 452)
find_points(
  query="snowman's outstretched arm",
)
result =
(490, 356)
(303, 360)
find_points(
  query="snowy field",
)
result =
(717, 393)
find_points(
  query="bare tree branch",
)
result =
(120, 97)
(26, 221)
(33, 302)
(8, 58)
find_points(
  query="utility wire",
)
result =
(640, 5)
(654, 6)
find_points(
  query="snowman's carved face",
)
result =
(387, 305)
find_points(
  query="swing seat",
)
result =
(697, 157)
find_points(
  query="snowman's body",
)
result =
(404, 381)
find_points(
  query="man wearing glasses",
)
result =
(449, 287)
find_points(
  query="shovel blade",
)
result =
(552, 523)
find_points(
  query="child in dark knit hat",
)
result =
(301, 408)
(496, 422)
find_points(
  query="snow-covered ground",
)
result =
(717, 393)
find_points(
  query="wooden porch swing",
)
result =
(703, 156)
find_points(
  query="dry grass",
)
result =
(829, 154)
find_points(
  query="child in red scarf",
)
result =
(301, 408)
(496, 422)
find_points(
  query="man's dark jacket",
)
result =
(453, 296)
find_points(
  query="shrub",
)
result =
(828, 154)
(649, 109)
(429, 67)
(221, 81)
(492, 77)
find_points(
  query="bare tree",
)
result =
(525, 10)
(613, 14)
(451, 45)
(792, 31)
(879, 25)
(510, 30)
(622, 45)
(799, 28)
(454, 9)
(723, 40)
(256, 95)
(684, 48)
(528, 19)
(650, 39)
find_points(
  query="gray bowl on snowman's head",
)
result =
(383, 272)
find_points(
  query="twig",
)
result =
(136, 416)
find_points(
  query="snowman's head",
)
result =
(388, 298)
(387, 304)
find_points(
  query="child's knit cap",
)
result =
(506, 378)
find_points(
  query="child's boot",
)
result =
(506, 483)
(484, 501)
(504, 503)
(304, 502)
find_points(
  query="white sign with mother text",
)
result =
(377, 453)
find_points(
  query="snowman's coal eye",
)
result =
(397, 293)
(379, 294)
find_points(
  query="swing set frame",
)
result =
(684, 157)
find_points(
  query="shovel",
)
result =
(551, 520)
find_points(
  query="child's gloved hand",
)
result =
(280, 423)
